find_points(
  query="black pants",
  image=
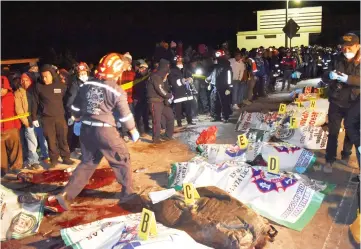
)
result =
(159, 110)
(220, 104)
(335, 116)
(287, 76)
(55, 133)
(352, 126)
(141, 112)
(187, 107)
(73, 140)
(97, 142)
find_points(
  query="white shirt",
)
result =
(238, 68)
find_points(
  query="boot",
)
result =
(68, 161)
(179, 123)
(62, 200)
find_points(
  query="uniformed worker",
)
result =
(93, 110)
(344, 94)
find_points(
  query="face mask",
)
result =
(180, 66)
(83, 78)
(349, 55)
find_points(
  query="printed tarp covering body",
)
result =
(298, 198)
(121, 233)
(308, 134)
(21, 214)
(292, 158)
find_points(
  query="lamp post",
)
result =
(286, 38)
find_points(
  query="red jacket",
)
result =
(127, 77)
(8, 111)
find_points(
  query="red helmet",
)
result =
(178, 58)
(110, 66)
(82, 66)
(220, 53)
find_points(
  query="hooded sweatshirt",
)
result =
(48, 97)
(8, 107)
(157, 91)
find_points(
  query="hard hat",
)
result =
(110, 66)
(82, 66)
(220, 53)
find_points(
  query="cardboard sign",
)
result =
(293, 123)
(190, 193)
(273, 164)
(312, 104)
(282, 109)
(242, 141)
(148, 225)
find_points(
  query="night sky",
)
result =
(94, 28)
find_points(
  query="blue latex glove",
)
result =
(135, 135)
(297, 91)
(76, 128)
(333, 75)
(342, 78)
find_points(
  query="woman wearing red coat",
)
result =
(11, 151)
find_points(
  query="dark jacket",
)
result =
(156, 85)
(140, 88)
(343, 94)
(223, 75)
(48, 97)
(102, 101)
(288, 63)
(180, 91)
(71, 93)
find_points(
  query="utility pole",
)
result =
(286, 38)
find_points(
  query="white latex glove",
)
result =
(171, 100)
(119, 125)
(227, 92)
(36, 123)
(209, 87)
(135, 135)
(71, 121)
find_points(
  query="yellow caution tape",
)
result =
(129, 85)
(15, 117)
(199, 76)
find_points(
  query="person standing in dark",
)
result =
(158, 98)
(288, 65)
(48, 95)
(141, 108)
(344, 98)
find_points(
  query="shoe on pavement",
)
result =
(68, 161)
(166, 138)
(225, 121)
(53, 164)
(247, 102)
(157, 141)
(192, 123)
(345, 160)
(179, 123)
(327, 168)
(216, 120)
(62, 200)
(235, 106)
(35, 166)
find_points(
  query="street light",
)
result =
(286, 38)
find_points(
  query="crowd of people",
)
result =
(175, 84)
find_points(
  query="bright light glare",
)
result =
(297, 1)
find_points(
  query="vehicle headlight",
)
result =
(277, 65)
(199, 71)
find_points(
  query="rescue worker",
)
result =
(93, 111)
(344, 94)
(221, 79)
(251, 68)
(159, 99)
(198, 73)
(288, 65)
(275, 69)
(261, 75)
(48, 95)
(181, 92)
(141, 108)
(82, 73)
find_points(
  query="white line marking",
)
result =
(325, 245)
